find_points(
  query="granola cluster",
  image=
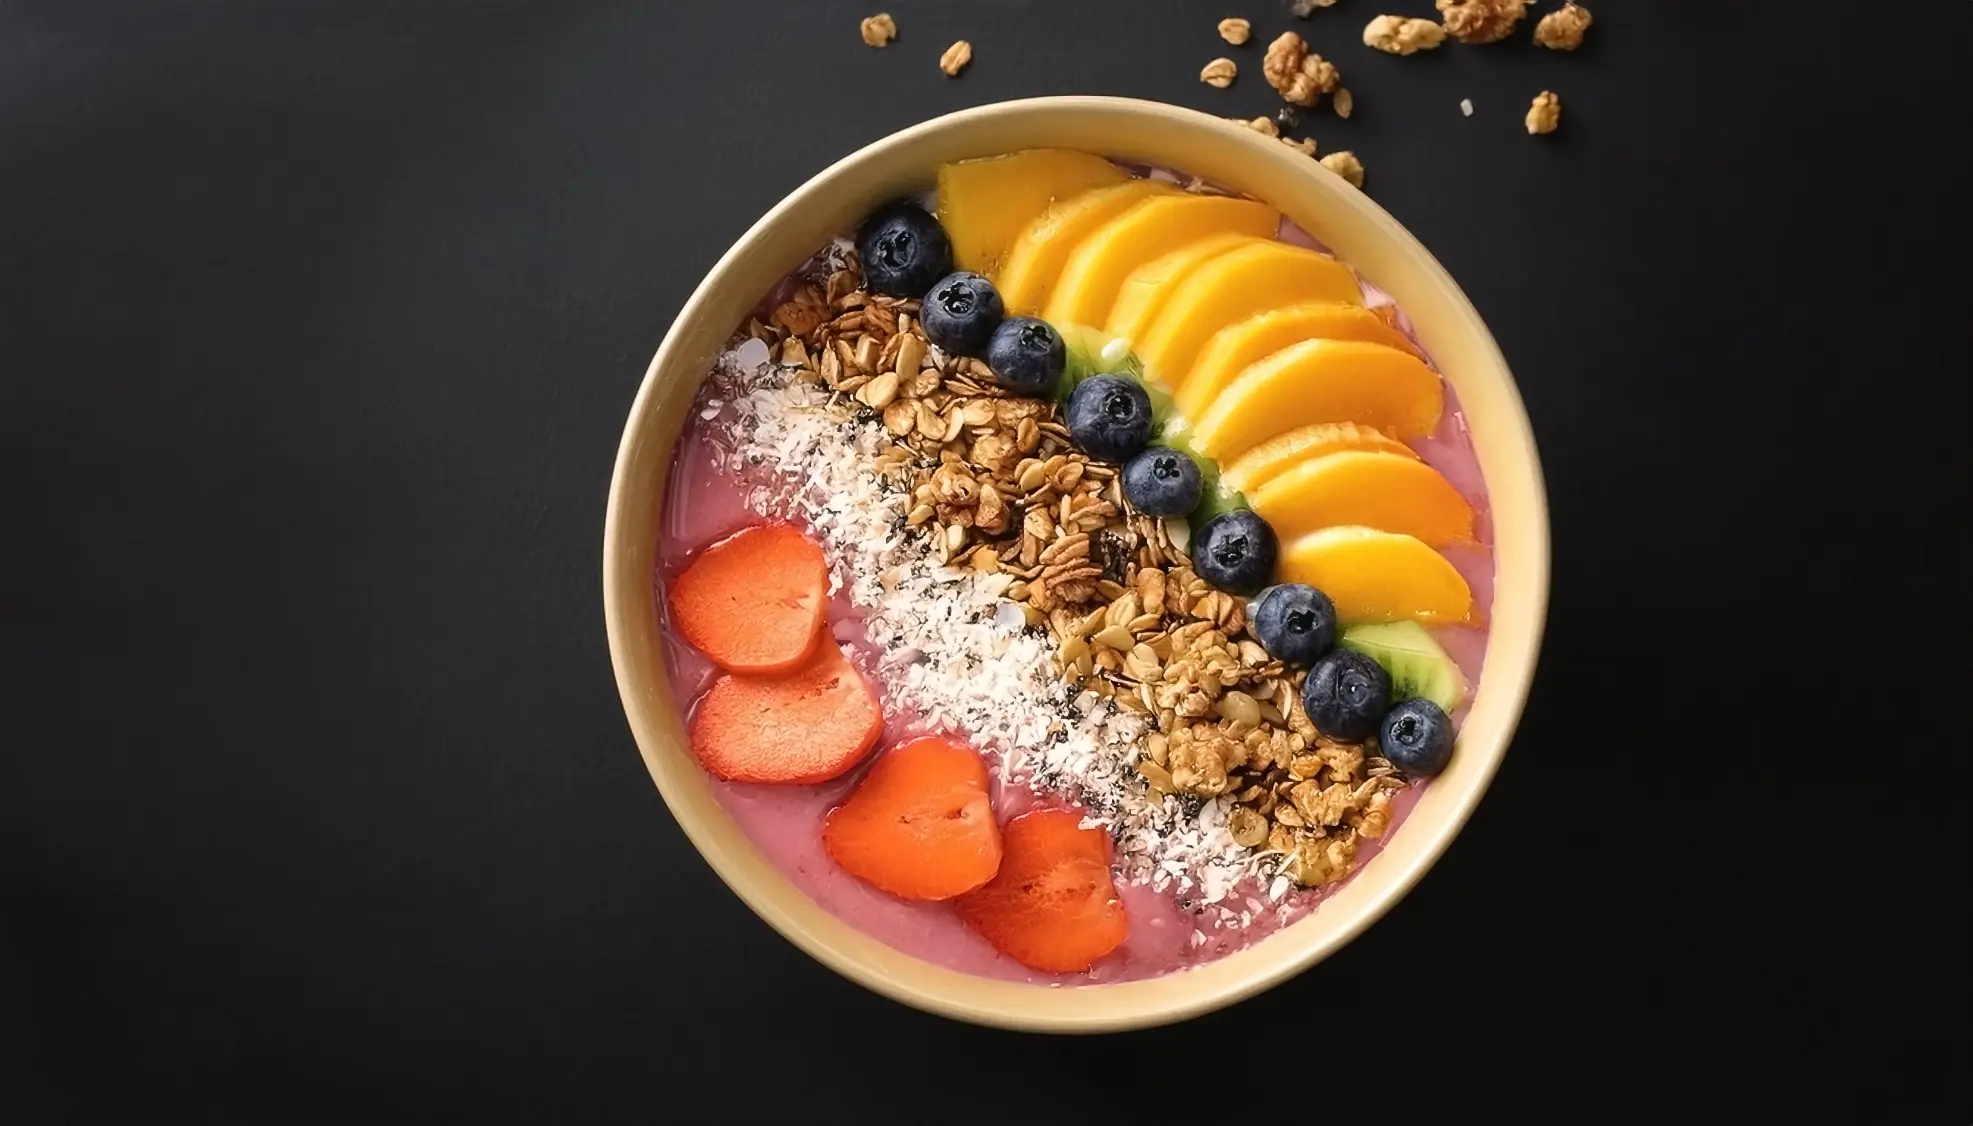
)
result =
(1563, 29)
(1298, 74)
(1481, 21)
(996, 485)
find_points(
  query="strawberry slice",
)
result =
(920, 824)
(1052, 906)
(754, 602)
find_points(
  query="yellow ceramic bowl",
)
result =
(1228, 154)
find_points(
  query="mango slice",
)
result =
(1375, 576)
(1322, 381)
(1232, 287)
(1232, 348)
(1143, 293)
(1027, 275)
(1096, 270)
(1389, 492)
(984, 203)
(1268, 460)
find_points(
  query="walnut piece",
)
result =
(1401, 35)
(1562, 29)
(879, 30)
(1306, 145)
(955, 58)
(1545, 114)
(1481, 21)
(1235, 30)
(1301, 76)
(1346, 165)
(1219, 73)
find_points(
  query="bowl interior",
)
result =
(1190, 142)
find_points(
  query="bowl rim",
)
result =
(1430, 841)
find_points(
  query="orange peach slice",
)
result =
(1375, 576)
(1234, 347)
(1142, 295)
(1322, 381)
(1097, 268)
(1027, 275)
(1232, 287)
(1389, 492)
(983, 204)
(1268, 460)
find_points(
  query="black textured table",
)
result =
(318, 323)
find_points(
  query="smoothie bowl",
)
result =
(1074, 564)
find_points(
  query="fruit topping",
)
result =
(903, 249)
(1322, 381)
(1028, 274)
(1233, 348)
(919, 825)
(1390, 492)
(1232, 287)
(1146, 289)
(1163, 482)
(984, 203)
(1096, 270)
(1295, 623)
(1235, 551)
(1345, 695)
(961, 312)
(1109, 417)
(810, 725)
(1283, 452)
(1026, 356)
(1375, 576)
(754, 602)
(1053, 906)
(1417, 737)
(1417, 664)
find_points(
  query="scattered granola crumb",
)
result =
(1306, 144)
(1346, 165)
(1482, 21)
(879, 30)
(1219, 73)
(955, 58)
(1236, 30)
(1402, 35)
(1562, 29)
(1301, 76)
(1545, 114)
(1466, 107)
(1343, 102)
(1263, 125)
(1303, 9)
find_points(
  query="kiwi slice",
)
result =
(1417, 664)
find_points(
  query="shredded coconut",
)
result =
(953, 652)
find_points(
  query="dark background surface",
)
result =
(318, 323)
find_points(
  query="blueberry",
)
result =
(904, 250)
(1026, 355)
(1163, 482)
(1110, 417)
(1295, 623)
(1417, 737)
(961, 312)
(1235, 551)
(1346, 694)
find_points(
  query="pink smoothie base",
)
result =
(705, 503)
